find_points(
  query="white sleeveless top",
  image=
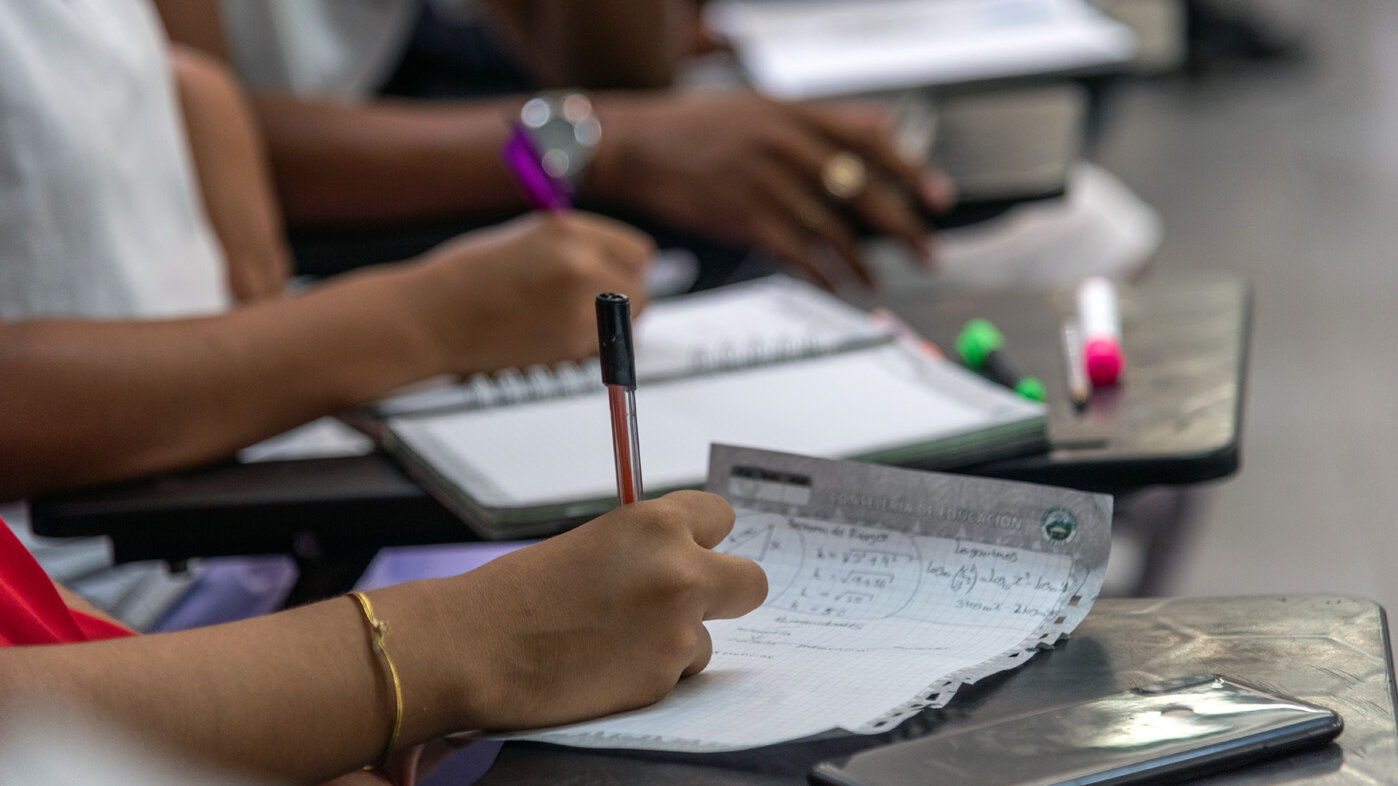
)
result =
(328, 49)
(100, 215)
(99, 211)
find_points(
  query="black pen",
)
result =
(619, 375)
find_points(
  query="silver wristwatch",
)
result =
(564, 130)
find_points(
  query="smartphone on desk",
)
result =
(1157, 733)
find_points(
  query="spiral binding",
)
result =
(513, 386)
(728, 356)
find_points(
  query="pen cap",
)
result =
(1104, 360)
(614, 339)
(976, 341)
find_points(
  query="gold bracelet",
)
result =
(378, 629)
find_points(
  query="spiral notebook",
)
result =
(775, 364)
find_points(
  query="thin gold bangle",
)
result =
(378, 629)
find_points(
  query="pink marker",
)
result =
(1099, 317)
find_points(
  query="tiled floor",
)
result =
(1288, 174)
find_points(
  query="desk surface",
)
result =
(1176, 415)
(1331, 650)
(1174, 420)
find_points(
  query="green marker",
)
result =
(981, 347)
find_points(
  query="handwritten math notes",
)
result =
(888, 590)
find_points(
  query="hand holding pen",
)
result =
(551, 193)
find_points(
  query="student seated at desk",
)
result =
(601, 619)
(199, 352)
(792, 180)
(136, 338)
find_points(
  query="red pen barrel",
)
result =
(625, 443)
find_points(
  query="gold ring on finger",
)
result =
(844, 175)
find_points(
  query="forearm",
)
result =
(597, 44)
(388, 161)
(297, 695)
(89, 401)
(234, 178)
(600, 619)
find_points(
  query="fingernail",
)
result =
(938, 191)
(930, 255)
(911, 149)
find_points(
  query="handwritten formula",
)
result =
(847, 571)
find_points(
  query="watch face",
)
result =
(565, 130)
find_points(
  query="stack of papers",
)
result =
(889, 589)
(799, 49)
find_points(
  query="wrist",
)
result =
(425, 636)
(468, 682)
(607, 176)
(424, 309)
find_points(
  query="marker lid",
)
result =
(976, 341)
(1104, 361)
(1032, 388)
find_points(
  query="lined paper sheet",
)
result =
(888, 590)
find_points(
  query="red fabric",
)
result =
(32, 611)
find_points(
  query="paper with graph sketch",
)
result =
(888, 590)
